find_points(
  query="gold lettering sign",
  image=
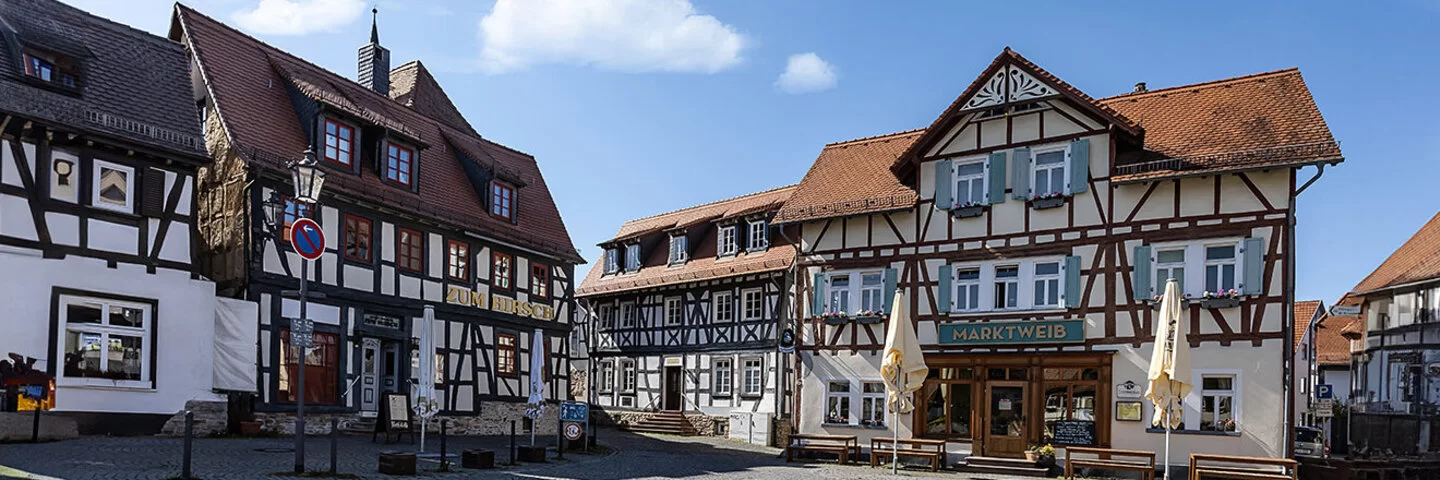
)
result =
(470, 298)
(1041, 331)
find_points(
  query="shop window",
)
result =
(947, 407)
(500, 271)
(539, 280)
(322, 372)
(357, 238)
(1070, 395)
(724, 306)
(837, 402)
(457, 261)
(1218, 403)
(506, 355)
(753, 370)
(107, 342)
(721, 373)
(872, 404)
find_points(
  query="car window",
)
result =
(1307, 436)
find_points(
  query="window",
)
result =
(754, 377)
(457, 261)
(1048, 174)
(627, 376)
(1007, 287)
(322, 369)
(539, 280)
(678, 255)
(505, 354)
(39, 68)
(674, 311)
(409, 250)
(502, 197)
(945, 402)
(872, 404)
(114, 187)
(294, 210)
(500, 271)
(632, 257)
(967, 289)
(970, 184)
(339, 143)
(1169, 264)
(872, 292)
(397, 163)
(1219, 268)
(753, 302)
(727, 243)
(723, 305)
(1070, 395)
(612, 262)
(438, 365)
(837, 402)
(606, 382)
(721, 373)
(607, 317)
(107, 342)
(1047, 284)
(357, 238)
(855, 292)
(627, 315)
(759, 235)
(839, 293)
(1217, 403)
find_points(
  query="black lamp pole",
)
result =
(308, 179)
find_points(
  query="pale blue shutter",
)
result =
(1072, 282)
(1254, 266)
(942, 295)
(1079, 166)
(1142, 272)
(996, 166)
(943, 183)
(817, 297)
(891, 283)
(1020, 176)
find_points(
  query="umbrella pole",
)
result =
(895, 447)
(1167, 443)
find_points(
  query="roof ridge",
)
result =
(710, 204)
(1411, 238)
(1205, 84)
(873, 138)
(123, 28)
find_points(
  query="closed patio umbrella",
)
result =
(536, 402)
(1169, 366)
(903, 368)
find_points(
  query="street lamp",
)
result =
(308, 179)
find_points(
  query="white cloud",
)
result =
(299, 17)
(806, 73)
(622, 35)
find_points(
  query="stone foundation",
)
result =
(494, 419)
(18, 426)
(704, 424)
(210, 419)
(780, 432)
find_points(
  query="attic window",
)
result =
(398, 163)
(339, 142)
(502, 198)
(52, 69)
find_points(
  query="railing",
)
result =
(899, 200)
(1237, 158)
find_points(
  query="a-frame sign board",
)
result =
(394, 418)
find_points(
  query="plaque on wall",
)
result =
(1129, 389)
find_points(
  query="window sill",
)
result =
(1048, 203)
(848, 425)
(997, 311)
(101, 384)
(968, 212)
(1193, 432)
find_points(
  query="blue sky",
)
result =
(635, 107)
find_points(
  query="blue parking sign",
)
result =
(574, 412)
(1324, 392)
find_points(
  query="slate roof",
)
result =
(851, 178)
(1415, 261)
(135, 87)
(655, 270)
(249, 82)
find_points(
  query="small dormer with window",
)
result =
(727, 240)
(632, 257)
(758, 233)
(612, 260)
(679, 248)
(502, 200)
(397, 163)
(51, 69)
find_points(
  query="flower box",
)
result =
(870, 319)
(1222, 302)
(968, 212)
(1042, 203)
(835, 320)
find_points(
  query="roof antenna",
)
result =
(374, 33)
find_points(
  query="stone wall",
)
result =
(494, 419)
(704, 424)
(780, 432)
(210, 419)
(18, 427)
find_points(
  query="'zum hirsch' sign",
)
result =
(1009, 333)
(470, 298)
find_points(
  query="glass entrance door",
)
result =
(369, 377)
(1005, 419)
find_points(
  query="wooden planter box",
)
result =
(836, 320)
(870, 320)
(967, 212)
(1220, 302)
(1156, 305)
(397, 463)
(477, 458)
(532, 454)
(1044, 203)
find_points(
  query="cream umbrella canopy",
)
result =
(1169, 366)
(903, 368)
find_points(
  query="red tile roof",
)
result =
(703, 264)
(248, 82)
(851, 178)
(412, 85)
(1305, 311)
(1331, 346)
(1417, 260)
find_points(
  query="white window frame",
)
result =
(632, 258)
(678, 308)
(853, 290)
(607, 316)
(629, 374)
(1024, 285)
(1017, 282)
(960, 285)
(722, 372)
(956, 179)
(606, 382)
(1234, 262)
(1194, 283)
(1157, 284)
(847, 397)
(627, 315)
(1195, 401)
(726, 243)
(1058, 278)
(1064, 168)
(678, 253)
(752, 369)
(95, 201)
(759, 231)
(729, 304)
(874, 400)
(612, 261)
(104, 330)
(745, 298)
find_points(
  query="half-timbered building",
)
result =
(99, 148)
(419, 209)
(685, 308)
(1034, 226)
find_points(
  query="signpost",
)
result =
(1324, 391)
(573, 431)
(574, 412)
(309, 242)
(1345, 310)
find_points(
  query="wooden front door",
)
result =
(674, 383)
(1005, 420)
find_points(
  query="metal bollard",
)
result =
(35, 426)
(334, 439)
(444, 459)
(512, 442)
(189, 438)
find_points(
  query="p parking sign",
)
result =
(1324, 391)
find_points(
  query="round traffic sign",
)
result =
(307, 238)
(573, 431)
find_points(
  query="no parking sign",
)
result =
(307, 238)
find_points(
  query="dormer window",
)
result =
(612, 260)
(759, 236)
(339, 143)
(502, 198)
(678, 254)
(53, 69)
(398, 163)
(728, 244)
(632, 257)
(39, 68)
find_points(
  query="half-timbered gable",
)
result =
(419, 210)
(686, 308)
(1034, 225)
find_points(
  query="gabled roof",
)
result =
(250, 83)
(703, 264)
(412, 85)
(851, 178)
(1306, 311)
(135, 87)
(1416, 261)
(1009, 58)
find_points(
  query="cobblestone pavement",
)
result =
(629, 456)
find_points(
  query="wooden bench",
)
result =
(845, 446)
(1241, 468)
(909, 447)
(1145, 465)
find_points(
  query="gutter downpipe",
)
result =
(1289, 325)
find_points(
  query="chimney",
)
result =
(1140, 87)
(375, 61)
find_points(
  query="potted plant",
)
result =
(1042, 454)
(1221, 299)
(834, 318)
(1155, 301)
(870, 317)
(1047, 200)
(968, 209)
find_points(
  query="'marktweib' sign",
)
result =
(1009, 333)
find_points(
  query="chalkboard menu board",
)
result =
(1073, 432)
(394, 413)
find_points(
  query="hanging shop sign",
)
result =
(1010, 333)
(787, 340)
(1129, 389)
(463, 296)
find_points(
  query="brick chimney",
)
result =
(375, 61)
(1140, 87)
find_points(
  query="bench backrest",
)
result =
(1232, 466)
(1148, 456)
